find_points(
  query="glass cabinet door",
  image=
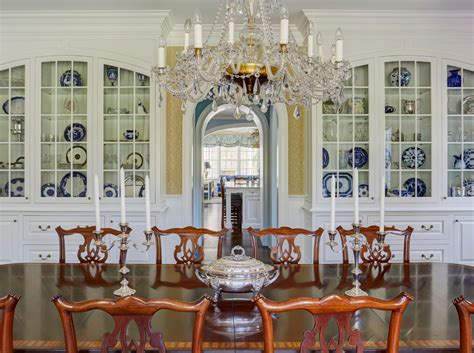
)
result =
(460, 131)
(64, 130)
(346, 137)
(408, 129)
(12, 132)
(126, 130)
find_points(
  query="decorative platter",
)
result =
(325, 158)
(363, 190)
(469, 158)
(358, 156)
(76, 155)
(413, 157)
(134, 185)
(344, 184)
(78, 183)
(414, 187)
(75, 133)
(134, 159)
(111, 190)
(15, 187)
(399, 77)
(14, 105)
(70, 78)
(468, 104)
(48, 190)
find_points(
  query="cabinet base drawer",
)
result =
(33, 253)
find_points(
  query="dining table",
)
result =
(430, 323)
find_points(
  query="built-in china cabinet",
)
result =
(410, 118)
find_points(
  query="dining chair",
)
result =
(7, 306)
(125, 311)
(370, 253)
(190, 250)
(87, 252)
(465, 309)
(285, 251)
(337, 308)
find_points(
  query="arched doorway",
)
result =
(261, 122)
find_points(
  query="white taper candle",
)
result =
(147, 204)
(198, 29)
(162, 53)
(284, 25)
(123, 218)
(97, 203)
(332, 227)
(355, 193)
(339, 45)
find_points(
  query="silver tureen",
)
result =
(237, 273)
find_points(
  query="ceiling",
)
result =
(185, 8)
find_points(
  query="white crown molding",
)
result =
(123, 23)
(414, 22)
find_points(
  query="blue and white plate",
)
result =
(344, 184)
(469, 158)
(15, 187)
(363, 190)
(413, 157)
(325, 158)
(79, 185)
(361, 157)
(14, 105)
(469, 185)
(111, 190)
(77, 134)
(70, 78)
(414, 187)
(48, 190)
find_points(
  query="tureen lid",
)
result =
(237, 264)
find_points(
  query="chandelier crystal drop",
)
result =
(252, 69)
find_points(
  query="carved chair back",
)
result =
(7, 306)
(88, 252)
(286, 251)
(370, 253)
(337, 308)
(189, 251)
(125, 311)
(465, 309)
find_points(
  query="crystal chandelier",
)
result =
(254, 69)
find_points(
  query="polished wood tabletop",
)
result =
(430, 322)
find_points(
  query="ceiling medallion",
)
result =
(254, 70)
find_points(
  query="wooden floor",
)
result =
(212, 220)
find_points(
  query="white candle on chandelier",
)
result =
(319, 43)
(284, 24)
(339, 45)
(310, 40)
(187, 31)
(97, 203)
(332, 227)
(147, 204)
(162, 53)
(355, 193)
(382, 204)
(123, 218)
(197, 29)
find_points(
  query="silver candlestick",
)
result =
(381, 239)
(355, 245)
(123, 244)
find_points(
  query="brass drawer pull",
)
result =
(44, 258)
(43, 228)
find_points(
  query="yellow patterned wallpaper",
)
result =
(174, 149)
(174, 136)
(295, 154)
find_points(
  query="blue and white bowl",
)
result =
(131, 134)
(363, 190)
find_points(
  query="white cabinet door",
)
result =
(9, 235)
(137, 237)
(464, 239)
(251, 211)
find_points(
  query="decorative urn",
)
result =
(237, 273)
